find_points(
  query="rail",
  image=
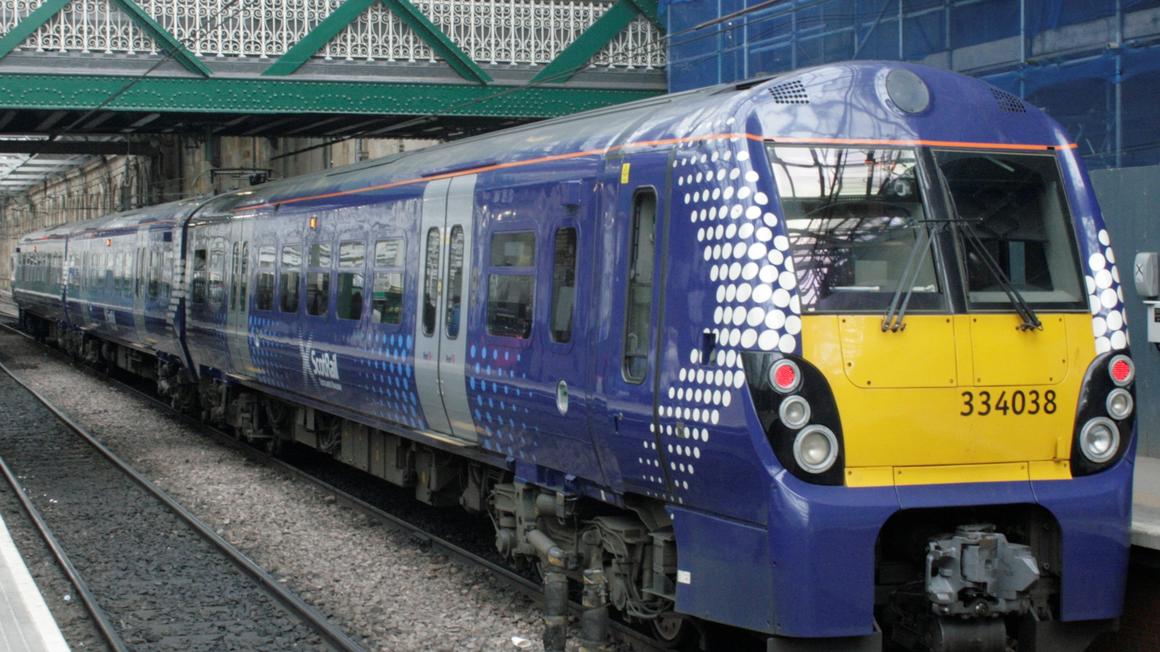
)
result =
(333, 635)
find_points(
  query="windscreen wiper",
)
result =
(1022, 308)
(895, 318)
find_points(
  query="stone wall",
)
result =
(185, 167)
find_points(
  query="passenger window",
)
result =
(244, 292)
(352, 258)
(387, 299)
(154, 273)
(291, 264)
(511, 284)
(431, 282)
(318, 282)
(563, 284)
(265, 294)
(234, 274)
(454, 282)
(217, 273)
(199, 261)
(640, 286)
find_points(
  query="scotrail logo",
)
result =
(324, 367)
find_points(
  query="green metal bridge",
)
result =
(375, 68)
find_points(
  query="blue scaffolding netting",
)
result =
(1094, 65)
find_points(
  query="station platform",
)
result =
(1146, 503)
(26, 625)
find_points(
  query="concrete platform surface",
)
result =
(1146, 503)
(26, 625)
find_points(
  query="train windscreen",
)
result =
(1015, 208)
(856, 221)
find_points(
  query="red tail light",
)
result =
(785, 376)
(1121, 369)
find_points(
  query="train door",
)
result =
(238, 302)
(634, 260)
(440, 328)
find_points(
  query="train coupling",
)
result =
(977, 573)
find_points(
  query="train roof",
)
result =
(841, 102)
(163, 215)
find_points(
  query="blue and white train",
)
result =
(837, 356)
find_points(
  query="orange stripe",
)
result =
(924, 143)
(650, 143)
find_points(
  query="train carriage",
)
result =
(819, 356)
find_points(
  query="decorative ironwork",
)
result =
(495, 32)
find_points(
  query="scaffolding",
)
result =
(1092, 65)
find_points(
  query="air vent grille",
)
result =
(790, 92)
(1008, 102)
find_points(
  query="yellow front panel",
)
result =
(902, 396)
(871, 357)
(1004, 355)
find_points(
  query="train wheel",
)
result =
(672, 631)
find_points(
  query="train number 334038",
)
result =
(983, 403)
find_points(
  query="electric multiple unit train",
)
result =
(837, 356)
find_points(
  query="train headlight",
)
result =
(794, 412)
(1119, 404)
(1121, 369)
(785, 376)
(1099, 440)
(815, 449)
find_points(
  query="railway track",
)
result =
(623, 633)
(149, 572)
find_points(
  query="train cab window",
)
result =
(264, 295)
(511, 284)
(387, 298)
(855, 216)
(318, 279)
(638, 311)
(198, 292)
(352, 258)
(431, 281)
(1014, 205)
(289, 279)
(563, 284)
(455, 255)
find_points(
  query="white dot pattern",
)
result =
(1105, 295)
(745, 263)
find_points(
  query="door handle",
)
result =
(616, 419)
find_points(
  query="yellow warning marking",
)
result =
(624, 172)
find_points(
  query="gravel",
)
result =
(378, 583)
(72, 618)
(161, 584)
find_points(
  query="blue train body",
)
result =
(511, 338)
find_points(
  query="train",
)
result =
(836, 357)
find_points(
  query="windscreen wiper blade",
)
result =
(1022, 308)
(895, 318)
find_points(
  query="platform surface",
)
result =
(26, 625)
(1146, 503)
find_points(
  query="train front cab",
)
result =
(960, 470)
